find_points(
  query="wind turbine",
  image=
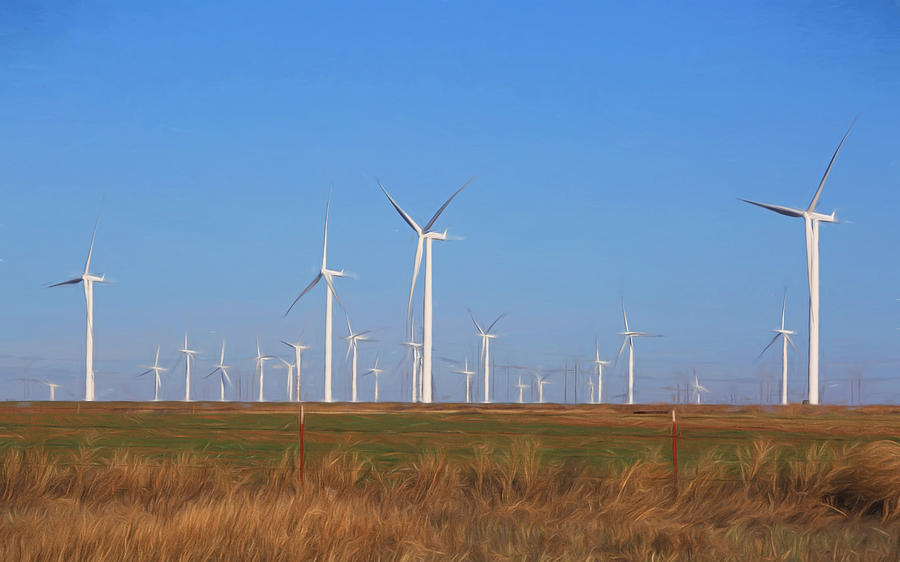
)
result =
(375, 370)
(330, 294)
(697, 388)
(521, 388)
(811, 219)
(88, 279)
(629, 336)
(260, 368)
(299, 348)
(155, 369)
(222, 368)
(188, 357)
(600, 364)
(289, 367)
(786, 339)
(541, 381)
(52, 387)
(592, 385)
(424, 234)
(468, 374)
(415, 348)
(486, 337)
(353, 340)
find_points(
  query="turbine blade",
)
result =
(624, 314)
(403, 213)
(417, 264)
(790, 341)
(768, 346)
(477, 326)
(622, 349)
(783, 303)
(325, 236)
(495, 322)
(69, 282)
(786, 211)
(306, 290)
(87, 264)
(330, 283)
(815, 199)
(444, 206)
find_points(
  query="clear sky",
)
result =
(610, 143)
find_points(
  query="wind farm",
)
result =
(438, 281)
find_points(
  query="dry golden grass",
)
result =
(831, 502)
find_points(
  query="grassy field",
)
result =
(209, 481)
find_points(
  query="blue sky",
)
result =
(610, 144)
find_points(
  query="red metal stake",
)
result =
(674, 452)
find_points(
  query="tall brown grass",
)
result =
(830, 502)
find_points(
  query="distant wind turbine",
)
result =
(88, 279)
(222, 369)
(599, 364)
(155, 369)
(468, 374)
(786, 339)
(289, 367)
(414, 348)
(353, 340)
(330, 294)
(521, 388)
(298, 348)
(188, 357)
(486, 337)
(697, 388)
(541, 381)
(52, 387)
(592, 385)
(629, 336)
(424, 234)
(375, 370)
(811, 219)
(260, 368)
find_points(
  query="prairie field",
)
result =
(211, 481)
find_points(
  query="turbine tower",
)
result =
(260, 368)
(155, 369)
(424, 234)
(88, 279)
(375, 370)
(811, 219)
(629, 336)
(541, 381)
(468, 374)
(786, 339)
(330, 294)
(188, 357)
(222, 369)
(299, 348)
(353, 340)
(486, 337)
(289, 367)
(599, 364)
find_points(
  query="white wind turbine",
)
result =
(424, 234)
(541, 381)
(521, 388)
(786, 339)
(811, 219)
(298, 348)
(375, 370)
(592, 385)
(629, 336)
(486, 337)
(330, 294)
(88, 279)
(155, 369)
(353, 340)
(697, 388)
(260, 368)
(599, 364)
(52, 386)
(222, 369)
(289, 367)
(415, 348)
(468, 374)
(188, 357)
